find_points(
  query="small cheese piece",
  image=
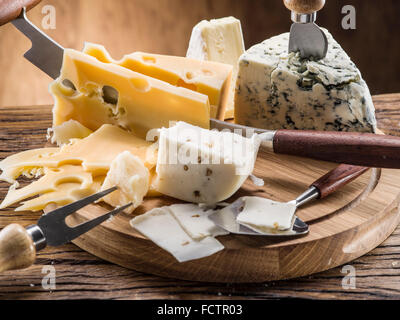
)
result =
(265, 215)
(101, 93)
(210, 78)
(195, 221)
(279, 90)
(219, 40)
(64, 194)
(48, 183)
(128, 173)
(66, 131)
(95, 153)
(163, 229)
(203, 166)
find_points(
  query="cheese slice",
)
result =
(219, 40)
(48, 183)
(265, 215)
(66, 131)
(210, 78)
(203, 166)
(128, 173)
(122, 97)
(95, 153)
(163, 229)
(64, 194)
(195, 222)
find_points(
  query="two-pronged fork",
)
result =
(18, 246)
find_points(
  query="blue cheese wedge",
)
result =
(203, 166)
(279, 90)
(163, 229)
(195, 222)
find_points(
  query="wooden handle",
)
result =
(361, 149)
(337, 178)
(11, 9)
(304, 6)
(16, 248)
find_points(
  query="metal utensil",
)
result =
(18, 246)
(321, 188)
(361, 149)
(305, 36)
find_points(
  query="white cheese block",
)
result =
(265, 215)
(132, 178)
(203, 166)
(279, 90)
(219, 40)
(195, 222)
(163, 229)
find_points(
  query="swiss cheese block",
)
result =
(93, 93)
(279, 90)
(163, 229)
(210, 78)
(219, 40)
(203, 166)
(128, 173)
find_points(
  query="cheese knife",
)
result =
(305, 36)
(360, 149)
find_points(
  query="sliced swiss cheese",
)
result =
(66, 131)
(163, 229)
(219, 40)
(126, 98)
(210, 78)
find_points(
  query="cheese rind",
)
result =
(109, 93)
(128, 173)
(163, 229)
(279, 90)
(203, 166)
(219, 40)
(210, 78)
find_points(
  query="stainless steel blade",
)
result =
(309, 40)
(46, 54)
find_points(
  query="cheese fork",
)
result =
(18, 246)
(319, 189)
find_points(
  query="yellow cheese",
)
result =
(95, 153)
(49, 183)
(64, 194)
(66, 131)
(129, 99)
(210, 78)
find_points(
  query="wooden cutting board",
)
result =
(343, 227)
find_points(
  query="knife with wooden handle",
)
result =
(360, 149)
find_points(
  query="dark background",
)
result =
(164, 26)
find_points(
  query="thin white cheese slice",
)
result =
(163, 229)
(195, 222)
(265, 215)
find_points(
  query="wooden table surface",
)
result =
(81, 275)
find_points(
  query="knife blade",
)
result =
(305, 36)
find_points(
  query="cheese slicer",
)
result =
(362, 149)
(321, 188)
(305, 36)
(18, 245)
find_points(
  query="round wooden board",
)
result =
(344, 226)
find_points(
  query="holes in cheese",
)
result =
(140, 97)
(210, 78)
(132, 178)
(110, 95)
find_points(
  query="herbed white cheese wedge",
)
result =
(163, 229)
(203, 166)
(132, 178)
(279, 90)
(195, 222)
(265, 215)
(219, 40)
